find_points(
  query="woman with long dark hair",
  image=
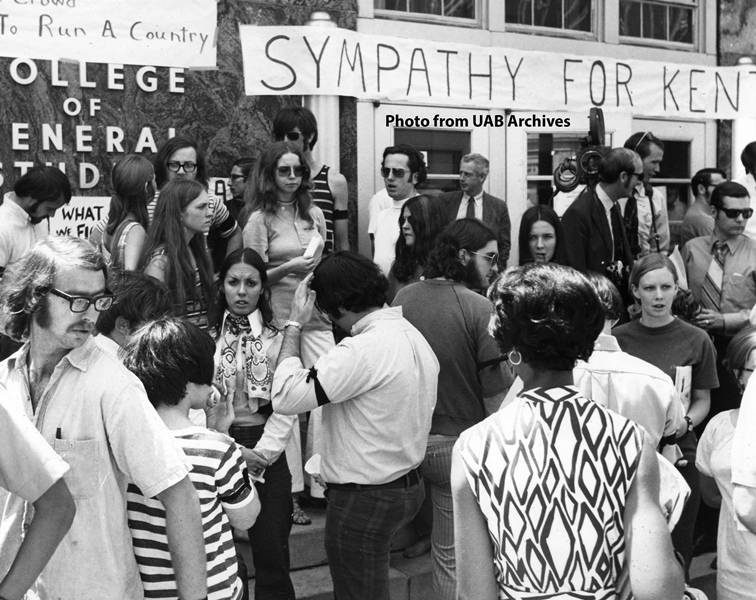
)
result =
(540, 508)
(541, 237)
(175, 252)
(133, 182)
(281, 228)
(247, 347)
(422, 219)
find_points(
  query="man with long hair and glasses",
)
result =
(472, 382)
(96, 415)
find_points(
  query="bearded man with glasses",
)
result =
(96, 416)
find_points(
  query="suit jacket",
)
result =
(588, 237)
(495, 215)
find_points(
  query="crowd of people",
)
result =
(165, 382)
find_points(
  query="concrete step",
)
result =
(409, 579)
(306, 547)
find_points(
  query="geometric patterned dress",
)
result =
(551, 473)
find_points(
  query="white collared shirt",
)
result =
(382, 385)
(17, 233)
(478, 199)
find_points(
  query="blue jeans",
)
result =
(269, 536)
(360, 525)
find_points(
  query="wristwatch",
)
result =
(296, 324)
(690, 422)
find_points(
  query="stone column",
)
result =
(326, 111)
(743, 132)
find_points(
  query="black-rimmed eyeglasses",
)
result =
(80, 304)
(177, 166)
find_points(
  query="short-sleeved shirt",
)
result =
(736, 549)
(17, 233)
(381, 383)
(219, 475)
(28, 465)
(278, 240)
(677, 344)
(96, 416)
(457, 331)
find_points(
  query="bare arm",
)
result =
(53, 514)
(157, 268)
(183, 524)
(475, 561)
(700, 402)
(654, 572)
(338, 184)
(134, 243)
(710, 491)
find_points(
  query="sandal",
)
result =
(298, 516)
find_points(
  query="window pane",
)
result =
(630, 18)
(443, 151)
(428, 7)
(462, 9)
(392, 5)
(519, 12)
(577, 15)
(548, 13)
(676, 161)
(654, 22)
(680, 25)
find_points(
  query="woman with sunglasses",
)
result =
(422, 219)
(686, 354)
(124, 235)
(736, 546)
(283, 223)
(175, 252)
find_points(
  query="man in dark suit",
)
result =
(595, 236)
(471, 201)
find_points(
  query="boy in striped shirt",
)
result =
(174, 361)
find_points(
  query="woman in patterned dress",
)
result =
(554, 495)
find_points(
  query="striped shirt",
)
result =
(220, 477)
(324, 200)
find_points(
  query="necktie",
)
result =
(470, 207)
(617, 230)
(711, 290)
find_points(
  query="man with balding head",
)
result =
(472, 202)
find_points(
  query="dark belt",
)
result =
(405, 481)
(243, 428)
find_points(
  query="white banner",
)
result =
(310, 61)
(137, 32)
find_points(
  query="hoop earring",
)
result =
(511, 360)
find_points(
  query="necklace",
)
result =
(284, 205)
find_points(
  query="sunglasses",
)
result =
(292, 136)
(492, 258)
(403, 220)
(234, 177)
(638, 175)
(398, 173)
(299, 171)
(80, 304)
(733, 213)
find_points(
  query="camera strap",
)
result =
(649, 194)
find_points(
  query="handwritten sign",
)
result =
(138, 32)
(79, 216)
(309, 61)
